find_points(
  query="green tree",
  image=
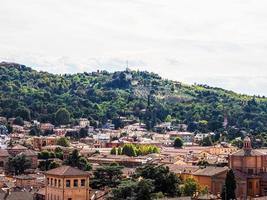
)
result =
(62, 116)
(228, 191)
(164, 181)
(53, 165)
(168, 118)
(129, 150)
(64, 142)
(135, 190)
(18, 121)
(24, 113)
(83, 164)
(83, 133)
(178, 142)
(18, 164)
(190, 187)
(119, 151)
(113, 151)
(45, 155)
(75, 160)
(109, 176)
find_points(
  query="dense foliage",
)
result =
(107, 176)
(76, 160)
(164, 181)
(135, 190)
(192, 188)
(135, 150)
(100, 96)
(18, 164)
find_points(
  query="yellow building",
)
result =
(67, 183)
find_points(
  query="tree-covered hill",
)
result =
(100, 96)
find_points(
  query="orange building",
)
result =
(67, 183)
(39, 142)
(211, 177)
(250, 168)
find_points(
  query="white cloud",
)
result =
(207, 41)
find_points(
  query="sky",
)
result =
(219, 43)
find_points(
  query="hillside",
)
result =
(100, 96)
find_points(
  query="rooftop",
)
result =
(18, 147)
(67, 171)
(210, 171)
(251, 152)
(4, 153)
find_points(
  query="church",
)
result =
(250, 169)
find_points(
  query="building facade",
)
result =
(250, 168)
(67, 183)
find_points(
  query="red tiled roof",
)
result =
(67, 171)
(29, 152)
(252, 152)
(4, 153)
(210, 171)
(18, 146)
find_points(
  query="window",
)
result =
(250, 171)
(51, 182)
(75, 184)
(59, 183)
(47, 181)
(55, 182)
(250, 185)
(69, 198)
(82, 182)
(68, 183)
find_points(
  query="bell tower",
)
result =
(247, 143)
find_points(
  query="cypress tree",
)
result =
(228, 191)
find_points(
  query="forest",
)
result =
(135, 95)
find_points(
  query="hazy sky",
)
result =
(220, 43)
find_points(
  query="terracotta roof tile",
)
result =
(252, 152)
(4, 153)
(67, 171)
(210, 171)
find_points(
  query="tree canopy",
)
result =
(62, 116)
(138, 95)
(64, 142)
(18, 164)
(178, 142)
(164, 181)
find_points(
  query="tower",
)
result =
(247, 143)
(67, 183)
